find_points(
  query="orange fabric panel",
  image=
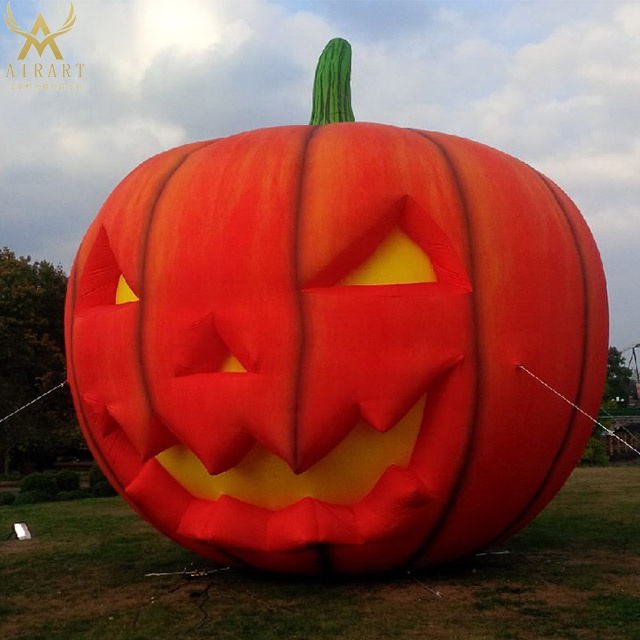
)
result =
(531, 308)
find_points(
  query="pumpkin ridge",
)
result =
(299, 297)
(524, 513)
(469, 445)
(145, 236)
(144, 245)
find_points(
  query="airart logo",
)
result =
(39, 25)
(43, 41)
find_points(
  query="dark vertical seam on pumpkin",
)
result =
(324, 558)
(578, 399)
(473, 418)
(144, 243)
(299, 299)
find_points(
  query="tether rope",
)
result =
(577, 408)
(24, 406)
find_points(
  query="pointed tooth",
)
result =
(220, 452)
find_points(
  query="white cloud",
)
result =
(94, 148)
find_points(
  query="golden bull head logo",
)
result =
(33, 39)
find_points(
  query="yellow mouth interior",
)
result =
(344, 476)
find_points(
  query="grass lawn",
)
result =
(573, 573)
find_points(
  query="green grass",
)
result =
(574, 573)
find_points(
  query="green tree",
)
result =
(619, 385)
(618, 388)
(32, 355)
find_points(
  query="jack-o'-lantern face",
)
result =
(297, 347)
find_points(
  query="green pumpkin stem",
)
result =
(332, 85)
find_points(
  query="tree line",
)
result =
(32, 296)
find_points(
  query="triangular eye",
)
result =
(124, 292)
(231, 364)
(396, 260)
(100, 282)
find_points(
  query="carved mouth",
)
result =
(343, 477)
(363, 491)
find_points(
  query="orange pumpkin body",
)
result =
(250, 320)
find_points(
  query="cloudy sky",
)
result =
(553, 82)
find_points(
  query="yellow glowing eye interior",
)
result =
(124, 293)
(397, 260)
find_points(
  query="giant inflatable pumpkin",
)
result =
(313, 348)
